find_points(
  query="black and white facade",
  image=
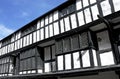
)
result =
(80, 39)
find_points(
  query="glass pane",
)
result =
(95, 12)
(85, 58)
(47, 67)
(51, 30)
(39, 63)
(59, 47)
(92, 1)
(103, 40)
(66, 45)
(53, 52)
(50, 18)
(47, 53)
(30, 38)
(67, 23)
(60, 62)
(80, 18)
(106, 7)
(46, 20)
(56, 28)
(78, 4)
(53, 66)
(85, 3)
(75, 42)
(42, 33)
(42, 22)
(38, 35)
(55, 15)
(34, 37)
(33, 63)
(62, 26)
(87, 15)
(95, 57)
(107, 58)
(83, 40)
(73, 21)
(46, 32)
(76, 60)
(116, 5)
(38, 24)
(68, 61)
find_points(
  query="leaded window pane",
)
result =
(38, 25)
(47, 53)
(78, 4)
(62, 26)
(85, 58)
(46, 20)
(85, 3)
(42, 22)
(75, 42)
(94, 12)
(76, 60)
(66, 45)
(51, 30)
(42, 33)
(116, 5)
(67, 23)
(56, 28)
(83, 40)
(47, 67)
(68, 61)
(55, 15)
(92, 1)
(87, 15)
(50, 18)
(46, 32)
(59, 47)
(53, 51)
(107, 58)
(60, 62)
(73, 21)
(106, 8)
(80, 18)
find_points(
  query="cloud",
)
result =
(4, 31)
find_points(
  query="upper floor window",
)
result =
(67, 10)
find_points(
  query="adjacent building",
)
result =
(80, 39)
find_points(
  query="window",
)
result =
(50, 18)
(80, 18)
(87, 15)
(62, 27)
(55, 15)
(56, 28)
(60, 62)
(106, 8)
(51, 30)
(116, 5)
(59, 47)
(46, 32)
(34, 36)
(67, 23)
(83, 40)
(75, 42)
(76, 60)
(42, 22)
(38, 35)
(6, 66)
(85, 3)
(78, 4)
(28, 61)
(38, 25)
(49, 59)
(66, 45)
(92, 1)
(46, 20)
(42, 33)
(68, 61)
(94, 12)
(73, 21)
(85, 58)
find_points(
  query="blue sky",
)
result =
(16, 13)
